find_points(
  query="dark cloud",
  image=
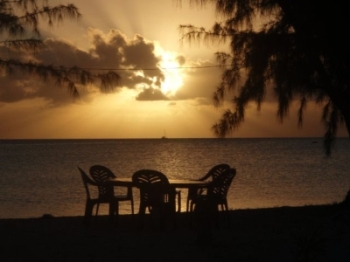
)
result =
(111, 51)
(151, 94)
(181, 60)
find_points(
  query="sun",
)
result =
(172, 74)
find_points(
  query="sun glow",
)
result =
(172, 74)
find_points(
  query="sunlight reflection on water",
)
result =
(41, 177)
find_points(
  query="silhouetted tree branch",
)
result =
(297, 48)
(20, 19)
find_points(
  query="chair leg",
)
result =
(191, 212)
(130, 196)
(227, 213)
(88, 212)
(192, 206)
(141, 217)
(114, 211)
(158, 217)
(132, 206)
(173, 216)
(188, 205)
(179, 201)
(97, 207)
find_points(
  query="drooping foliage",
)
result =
(297, 48)
(19, 30)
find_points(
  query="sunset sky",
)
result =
(150, 103)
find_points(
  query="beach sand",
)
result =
(309, 233)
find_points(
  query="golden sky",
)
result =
(150, 103)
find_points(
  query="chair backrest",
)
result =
(215, 171)
(219, 187)
(86, 181)
(101, 174)
(154, 187)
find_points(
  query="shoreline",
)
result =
(267, 234)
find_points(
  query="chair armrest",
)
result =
(94, 183)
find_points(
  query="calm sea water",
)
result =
(41, 177)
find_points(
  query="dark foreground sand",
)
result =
(311, 233)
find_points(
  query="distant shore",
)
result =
(270, 234)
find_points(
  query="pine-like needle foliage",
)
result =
(19, 30)
(297, 48)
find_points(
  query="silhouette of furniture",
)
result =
(101, 175)
(193, 192)
(157, 196)
(215, 198)
(193, 185)
(103, 198)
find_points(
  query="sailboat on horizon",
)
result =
(164, 136)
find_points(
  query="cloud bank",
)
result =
(134, 59)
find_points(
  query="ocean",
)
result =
(40, 177)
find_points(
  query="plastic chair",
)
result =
(156, 196)
(216, 197)
(100, 199)
(101, 174)
(212, 174)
